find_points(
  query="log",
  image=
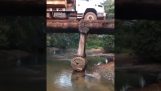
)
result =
(63, 24)
(81, 47)
(79, 63)
(71, 26)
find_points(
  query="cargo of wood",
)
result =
(57, 3)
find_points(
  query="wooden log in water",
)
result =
(79, 63)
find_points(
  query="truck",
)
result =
(75, 9)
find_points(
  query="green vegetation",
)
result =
(109, 8)
(94, 41)
(63, 40)
(104, 41)
(25, 33)
(139, 37)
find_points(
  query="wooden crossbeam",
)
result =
(71, 26)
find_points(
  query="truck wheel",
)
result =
(90, 16)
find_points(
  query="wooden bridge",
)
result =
(72, 26)
(83, 27)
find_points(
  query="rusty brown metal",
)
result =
(96, 26)
(63, 24)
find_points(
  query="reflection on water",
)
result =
(136, 81)
(22, 73)
(63, 80)
(60, 77)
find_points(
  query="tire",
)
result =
(90, 16)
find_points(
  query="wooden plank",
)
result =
(74, 24)
(71, 26)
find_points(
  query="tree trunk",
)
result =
(82, 44)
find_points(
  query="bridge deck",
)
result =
(71, 26)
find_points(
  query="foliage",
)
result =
(109, 8)
(109, 43)
(71, 41)
(62, 40)
(141, 37)
(25, 33)
(104, 41)
(94, 41)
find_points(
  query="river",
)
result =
(60, 77)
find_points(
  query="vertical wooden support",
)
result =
(82, 45)
(79, 63)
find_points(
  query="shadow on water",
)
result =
(136, 81)
(136, 77)
(23, 73)
(60, 77)
(126, 80)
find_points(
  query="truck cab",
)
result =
(80, 9)
(90, 10)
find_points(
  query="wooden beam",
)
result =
(79, 63)
(71, 26)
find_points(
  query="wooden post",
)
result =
(82, 44)
(79, 63)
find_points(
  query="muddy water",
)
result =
(60, 77)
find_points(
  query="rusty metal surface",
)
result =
(97, 26)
